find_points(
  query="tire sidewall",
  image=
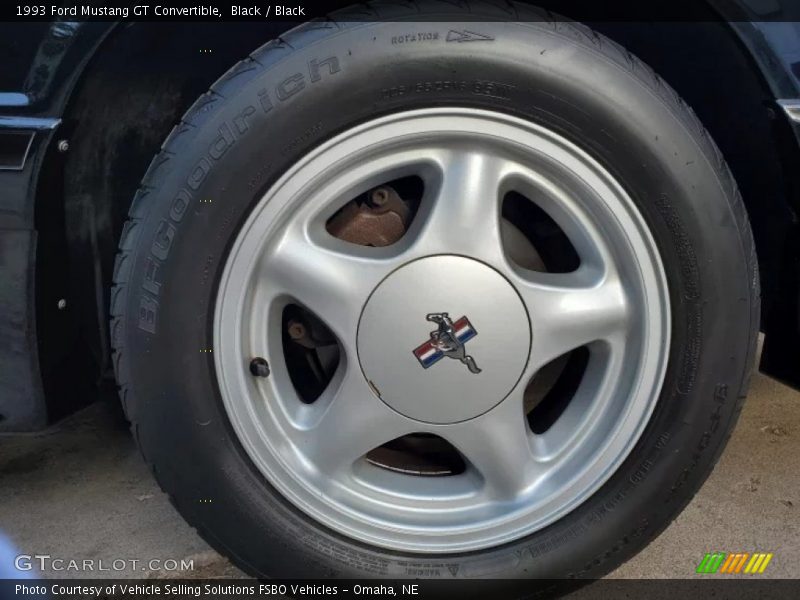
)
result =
(240, 138)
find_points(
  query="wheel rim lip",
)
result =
(245, 416)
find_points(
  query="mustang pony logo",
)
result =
(447, 340)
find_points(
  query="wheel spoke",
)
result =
(347, 425)
(498, 446)
(570, 311)
(329, 281)
(581, 414)
(463, 215)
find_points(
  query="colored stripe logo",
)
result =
(734, 563)
(428, 354)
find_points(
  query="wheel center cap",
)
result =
(443, 339)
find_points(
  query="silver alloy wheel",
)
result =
(375, 301)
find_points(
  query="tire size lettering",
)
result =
(479, 87)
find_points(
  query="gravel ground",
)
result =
(80, 490)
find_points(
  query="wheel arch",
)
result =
(138, 83)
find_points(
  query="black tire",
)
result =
(561, 75)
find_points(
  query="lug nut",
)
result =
(259, 367)
(379, 197)
(297, 331)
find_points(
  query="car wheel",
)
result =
(435, 299)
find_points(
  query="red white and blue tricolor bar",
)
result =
(427, 354)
